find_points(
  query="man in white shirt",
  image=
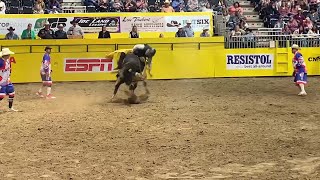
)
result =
(2, 7)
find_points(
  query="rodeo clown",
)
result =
(45, 73)
(300, 69)
(146, 52)
(6, 87)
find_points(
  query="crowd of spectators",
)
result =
(55, 6)
(297, 17)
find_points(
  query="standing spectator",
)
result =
(39, 7)
(181, 32)
(60, 33)
(117, 6)
(104, 33)
(205, 32)
(2, 7)
(134, 32)
(28, 33)
(188, 29)
(167, 8)
(103, 6)
(46, 32)
(75, 29)
(11, 35)
(130, 6)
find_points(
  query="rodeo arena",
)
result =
(159, 89)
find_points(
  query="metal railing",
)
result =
(74, 9)
(271, 41)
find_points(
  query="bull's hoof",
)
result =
(133, 100)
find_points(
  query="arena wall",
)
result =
(84, 60)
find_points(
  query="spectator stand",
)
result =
(19, 6)
(73, 6)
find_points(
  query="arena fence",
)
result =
(267, 41)
(176, 58)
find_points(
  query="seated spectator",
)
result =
(60, 33)
(46, 32)
(181, 32)
(299, 32)
(54, 10)
(184, 6)
(279, 24)
(142, 6)
(299, 17)
(314, 16)
(226, 16)
(283, 10)
(39, 7)
(193, 5)
(103, 6)
(176, 5)
(304, 6)
(54, 5)
(293, 25)
(205, 32)
(167, 8)
(134, 32)
(313, 32)
(243, 25)
(130, 6)
(286, 30)
(117, 6)
(207, 8)
(104, 33)
(237, 31)
(11, 35)
(28, 33)
(294, 9)
(236, 8)
(75, 29)
(307, 23)
(91, 3)
(2, 7)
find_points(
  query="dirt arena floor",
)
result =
(246, 128)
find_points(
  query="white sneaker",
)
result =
(13, 110)
(302, 94)
(50, 97)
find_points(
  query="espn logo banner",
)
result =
(87, 65)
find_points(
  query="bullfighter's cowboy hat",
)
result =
(47, 47)
(295, 46)
(6, 51)
(11, 29)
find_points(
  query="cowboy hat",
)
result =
(295, 46)
(60, 25)
(188, 22)
(205, 28)
(6, 51)
(11, 28)
(47, 47)
(166, 2)
(179, 27)
(46, 23)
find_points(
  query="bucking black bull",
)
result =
(131, 69)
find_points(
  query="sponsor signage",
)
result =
(87, 65)
(249, 61)
(314, 59)
(197, 22)
(94, 24)
(144, 24)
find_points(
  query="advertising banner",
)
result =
(197, 22)
(87, 65)
(88, 24)
(144, 24)
(249, 61)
